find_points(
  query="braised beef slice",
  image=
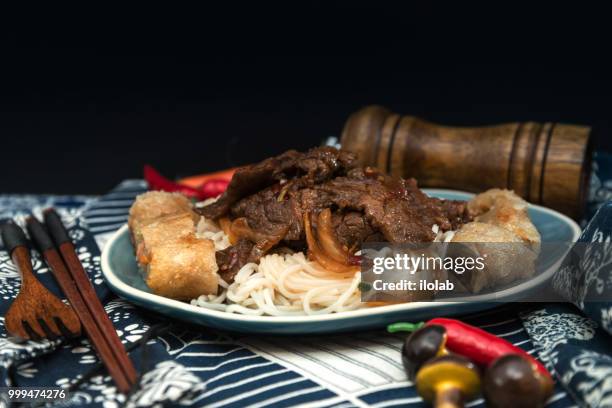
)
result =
(366, 205)
(265, 212)
(314, 166)
(393, 206)
(322, 163)
(249, 180)
(352, 229)
(232, 258)
(456, 211)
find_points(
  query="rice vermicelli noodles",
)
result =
(280, 285)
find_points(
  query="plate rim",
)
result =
(131, 292)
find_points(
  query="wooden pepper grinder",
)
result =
(545, 163)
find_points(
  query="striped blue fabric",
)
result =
(197, 367)
(238, 376)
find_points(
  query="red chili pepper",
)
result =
(211, 188)
(478, 345)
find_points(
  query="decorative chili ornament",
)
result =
(476, 344)
(448, 381)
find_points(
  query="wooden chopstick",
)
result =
(63, 278)
(75, 268)
(77, 287)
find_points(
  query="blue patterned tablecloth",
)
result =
(194, 366)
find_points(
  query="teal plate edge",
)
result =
(123, 276)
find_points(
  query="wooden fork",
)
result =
(36, 313)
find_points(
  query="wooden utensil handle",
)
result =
(22, 261)
(62, 240)
(546, 163)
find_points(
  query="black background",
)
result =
(88, 96)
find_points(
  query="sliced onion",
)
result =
(240, 229)
(317, 254)
(226, 225)
(327, 238)
(283, 192)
